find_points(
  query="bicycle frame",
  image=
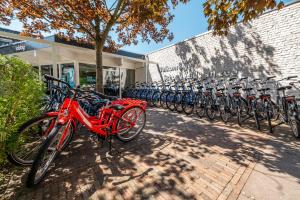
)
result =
(105, 125)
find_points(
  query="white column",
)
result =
(40, 72)
(77, 75)
(146, 69)
(60, 71)
(120, 81)
(54, 60)
(120, 90)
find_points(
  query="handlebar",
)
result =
(290, 77)
(51, 78)
(270, 77)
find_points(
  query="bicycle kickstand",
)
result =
(109, 153)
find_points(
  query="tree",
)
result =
(93, 21)
(224, 13)
(5, 12)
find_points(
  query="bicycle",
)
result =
(31, 134)
(123, 118)
(288, 107)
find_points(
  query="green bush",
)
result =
(21, 93)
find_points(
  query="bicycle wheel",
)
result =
(256, 118)
(178, 102)
(155, 99)
(47, 154)
(188, 103)
(170, 101)
(210, 109)
(163, 100)
(269, 119)
(275, 111)
(224, 110)
(295, 126)
(149, 98)
(200, 107)
(128, 132)
(30, 137)
(239, 115)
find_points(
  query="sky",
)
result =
(189, 21)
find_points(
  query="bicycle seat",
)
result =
(117, 107)
(236, 87)
(209, 89)
(247, 89)
(263, 89)
(220, 89)
(284, 88)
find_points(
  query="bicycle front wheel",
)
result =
(47, 154)
(30, 137)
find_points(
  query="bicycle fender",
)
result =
(64, 120)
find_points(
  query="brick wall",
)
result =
(269, 45)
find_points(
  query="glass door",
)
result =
(111, 81)
(68, 74)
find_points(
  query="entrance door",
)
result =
(68, 74)
(111, 81)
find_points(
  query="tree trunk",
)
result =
(99, 67)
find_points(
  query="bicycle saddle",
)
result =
(263, 89)
(236, 87)
(284, 88)
(209, 89)
(247, 89)
(220, 89)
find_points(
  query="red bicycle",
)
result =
(123, 118)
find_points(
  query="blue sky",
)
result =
(189, 21)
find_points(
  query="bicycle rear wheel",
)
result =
(163, 100)
(170, 101)
(188, 103)
(200, 106)
(210, 109)
(128, 132)
(224, 110)
(149, 98)
(178, 102)
(156, 100)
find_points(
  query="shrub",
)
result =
(20, 99)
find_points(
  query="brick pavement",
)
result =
(176, 157)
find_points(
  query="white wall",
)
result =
(269, 45)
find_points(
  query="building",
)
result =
(75, 63)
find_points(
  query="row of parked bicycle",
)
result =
(243, 98)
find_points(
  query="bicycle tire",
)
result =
(178, 102)
(156, 99)
(31, 178)
(124, 139)
(170, 101)
(12, 156)
(185, 103)
(210, 109)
